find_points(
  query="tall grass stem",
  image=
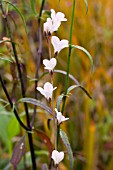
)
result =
(69, 53)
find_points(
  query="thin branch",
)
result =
(11, 104)
(39, 35)
(22, 89)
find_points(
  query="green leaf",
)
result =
(4, 101)
(5, 118)
(6, 59)
(60, 98)
(86, 3)
(2, 112)
(19, 12)
(67, 144)
(3, 129)
(3, 57)
(38, 153)
(41, 153)
(59, 101)
(70, 75)
(13, 128)
(37, 103)
(85, 91)
(85, 51)
(72, 87)
(75, 86)
(33, 6)
(75, 81)
(2, 41)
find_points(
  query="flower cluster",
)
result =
(50, 26)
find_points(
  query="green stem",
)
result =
(69, 54)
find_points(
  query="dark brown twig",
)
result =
(39, 58)
(22, 88)
(11, 104)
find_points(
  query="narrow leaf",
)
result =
(2, 108)
(19, 12)
(70, 76)
(4, 101)
(37, 103)
(11, 131)
(86, 3)
(71, 88)
(85, 51)
(60, 98)
(75, 86)
(75, 81)
(67, 145)
(59, 101)
(41, 153)
(33, 6)
(6, 59)
(2, 41)
(18, 152)
(45, 139)
(85, 92)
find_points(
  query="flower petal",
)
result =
(41, 90)
(48, 26)
(57, 17)
(47, 91)
(55, 42)
(60, 16)
(46, 62)
(63, 44)
(50, 64)
(60, 117)
(53, 14)
(48, 87)
(58, 45)
(57, 156)
(53, 62)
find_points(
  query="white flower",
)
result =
(58, 45)
(57, 17)
(50, 27)
(52, 24)
(60, 117)
(50, 64)
(57, 156)
(47, 91)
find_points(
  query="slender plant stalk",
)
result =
(49, 45)
(22, 89)
(39, 35)
(11, 104)
(55, 120)
(69, 54)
